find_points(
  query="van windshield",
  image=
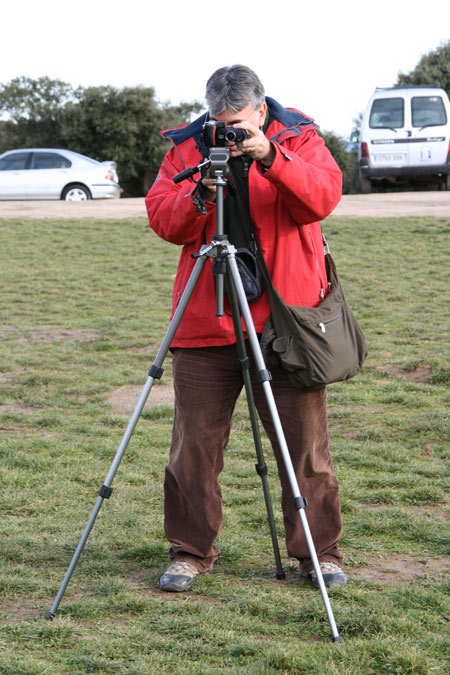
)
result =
(387, 113)
(428, 111)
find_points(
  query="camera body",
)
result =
(217, 134)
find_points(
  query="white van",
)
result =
(405, 137)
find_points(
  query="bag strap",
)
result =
(256, 249)
(244, 209)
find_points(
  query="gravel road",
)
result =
(375, 205)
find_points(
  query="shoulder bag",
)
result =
(315, 345)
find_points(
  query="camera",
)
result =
(217, 134)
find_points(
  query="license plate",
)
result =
(390, 157)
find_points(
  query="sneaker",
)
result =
(179, 576)
(333, 575)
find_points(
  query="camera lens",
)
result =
(235, 135)
(230, 136)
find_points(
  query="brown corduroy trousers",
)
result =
(207, 384)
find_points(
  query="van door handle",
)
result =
(409, 134)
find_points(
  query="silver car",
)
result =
(49, 173)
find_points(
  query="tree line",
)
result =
(105, 123)
(123, 124)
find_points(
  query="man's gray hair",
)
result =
(233, 88)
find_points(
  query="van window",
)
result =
(428, 111)
(387, 113)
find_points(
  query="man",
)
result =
(289, 181)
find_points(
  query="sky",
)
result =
(324, 58)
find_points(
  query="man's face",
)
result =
(248, 114)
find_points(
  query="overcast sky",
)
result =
(324, 58)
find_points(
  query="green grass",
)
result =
(83, 308)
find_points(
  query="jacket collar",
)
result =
(293, 122)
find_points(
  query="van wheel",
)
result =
(366, 185)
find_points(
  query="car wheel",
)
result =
(76, 193)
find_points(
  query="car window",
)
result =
(14, 162)
(50, 160)
(428, 111)
(387, 113)
(87, 159)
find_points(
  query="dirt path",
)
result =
(394, 204)
(375, 205)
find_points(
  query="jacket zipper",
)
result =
(323, 324)
(322, 292)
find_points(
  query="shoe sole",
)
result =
(331, 580)
(176, 585)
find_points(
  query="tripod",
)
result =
(225, 260)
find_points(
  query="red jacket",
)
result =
(302, 186)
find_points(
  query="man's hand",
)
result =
(256, 145)
(209, 187)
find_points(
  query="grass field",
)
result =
(83, 307)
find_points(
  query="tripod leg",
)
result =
(261, 466)
(264, 377)
(155, 372)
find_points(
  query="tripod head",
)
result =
(217, 161)
(218, 158)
